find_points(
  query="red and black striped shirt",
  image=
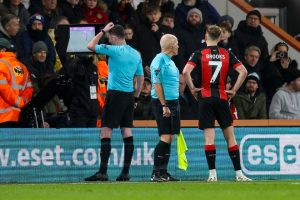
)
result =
(213, 63)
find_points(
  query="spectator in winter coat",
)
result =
(251, 103)
(249, 33)
(36, 32)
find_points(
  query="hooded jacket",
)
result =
(285, 104)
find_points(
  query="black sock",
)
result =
(159, 154)
(105, 153)
(164, 167)
(210, 153)
(128, 153)
(234, 154)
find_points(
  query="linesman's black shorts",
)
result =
(118, 109)
(211, 109)
(167, 125)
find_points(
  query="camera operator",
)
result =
(274, 73)
(84, 106)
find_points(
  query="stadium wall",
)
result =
(70, 155)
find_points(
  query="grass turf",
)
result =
(157, 191)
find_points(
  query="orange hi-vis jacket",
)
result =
(15, 87)
(102, 69)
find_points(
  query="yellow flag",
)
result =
(181, 149)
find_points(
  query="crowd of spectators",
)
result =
(30, 26)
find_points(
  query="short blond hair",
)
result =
(167, 41)
(213, 32)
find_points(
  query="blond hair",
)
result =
(213, 32)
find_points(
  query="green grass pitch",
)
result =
(257, 190)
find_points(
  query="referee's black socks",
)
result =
(159, 155)
(128, 153)
(164, 167)
(105, 153)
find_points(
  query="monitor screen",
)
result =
(79, 38)
(74, 38)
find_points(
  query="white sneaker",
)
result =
(212, 179)
(242, 178)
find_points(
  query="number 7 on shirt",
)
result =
(217, 71)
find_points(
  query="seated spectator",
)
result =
(37, 64)
(72, 10)
(251, 63)
(51, 32)
(16, 8)
(36, 32)
(226, 19)
(249, 33)
(168, 24)
(93, 13)
(167, 6)
(190, 37)
(143, 111)
(9, 29)
(48, 9)
(112, 8)
(126, 14)
(210, 14)
(150, 29)
(251, 103)
(227, 40)
(273, 74)
(130, 37)
(41, 73)
(286, 101)
(168, 20)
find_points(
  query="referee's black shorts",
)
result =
(167, 125)
(118, 109)
(211, 109)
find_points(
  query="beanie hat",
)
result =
(253, 76)
(227, 18)
(39, 46)
(194, 10)
(5, 43)
(292, 74)
(37, 17)
(254, 12)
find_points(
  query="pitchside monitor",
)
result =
(73, 39)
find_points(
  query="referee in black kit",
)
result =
(165, 103)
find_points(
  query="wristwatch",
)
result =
(103, 32)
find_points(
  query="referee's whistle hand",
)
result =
(166, 112)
